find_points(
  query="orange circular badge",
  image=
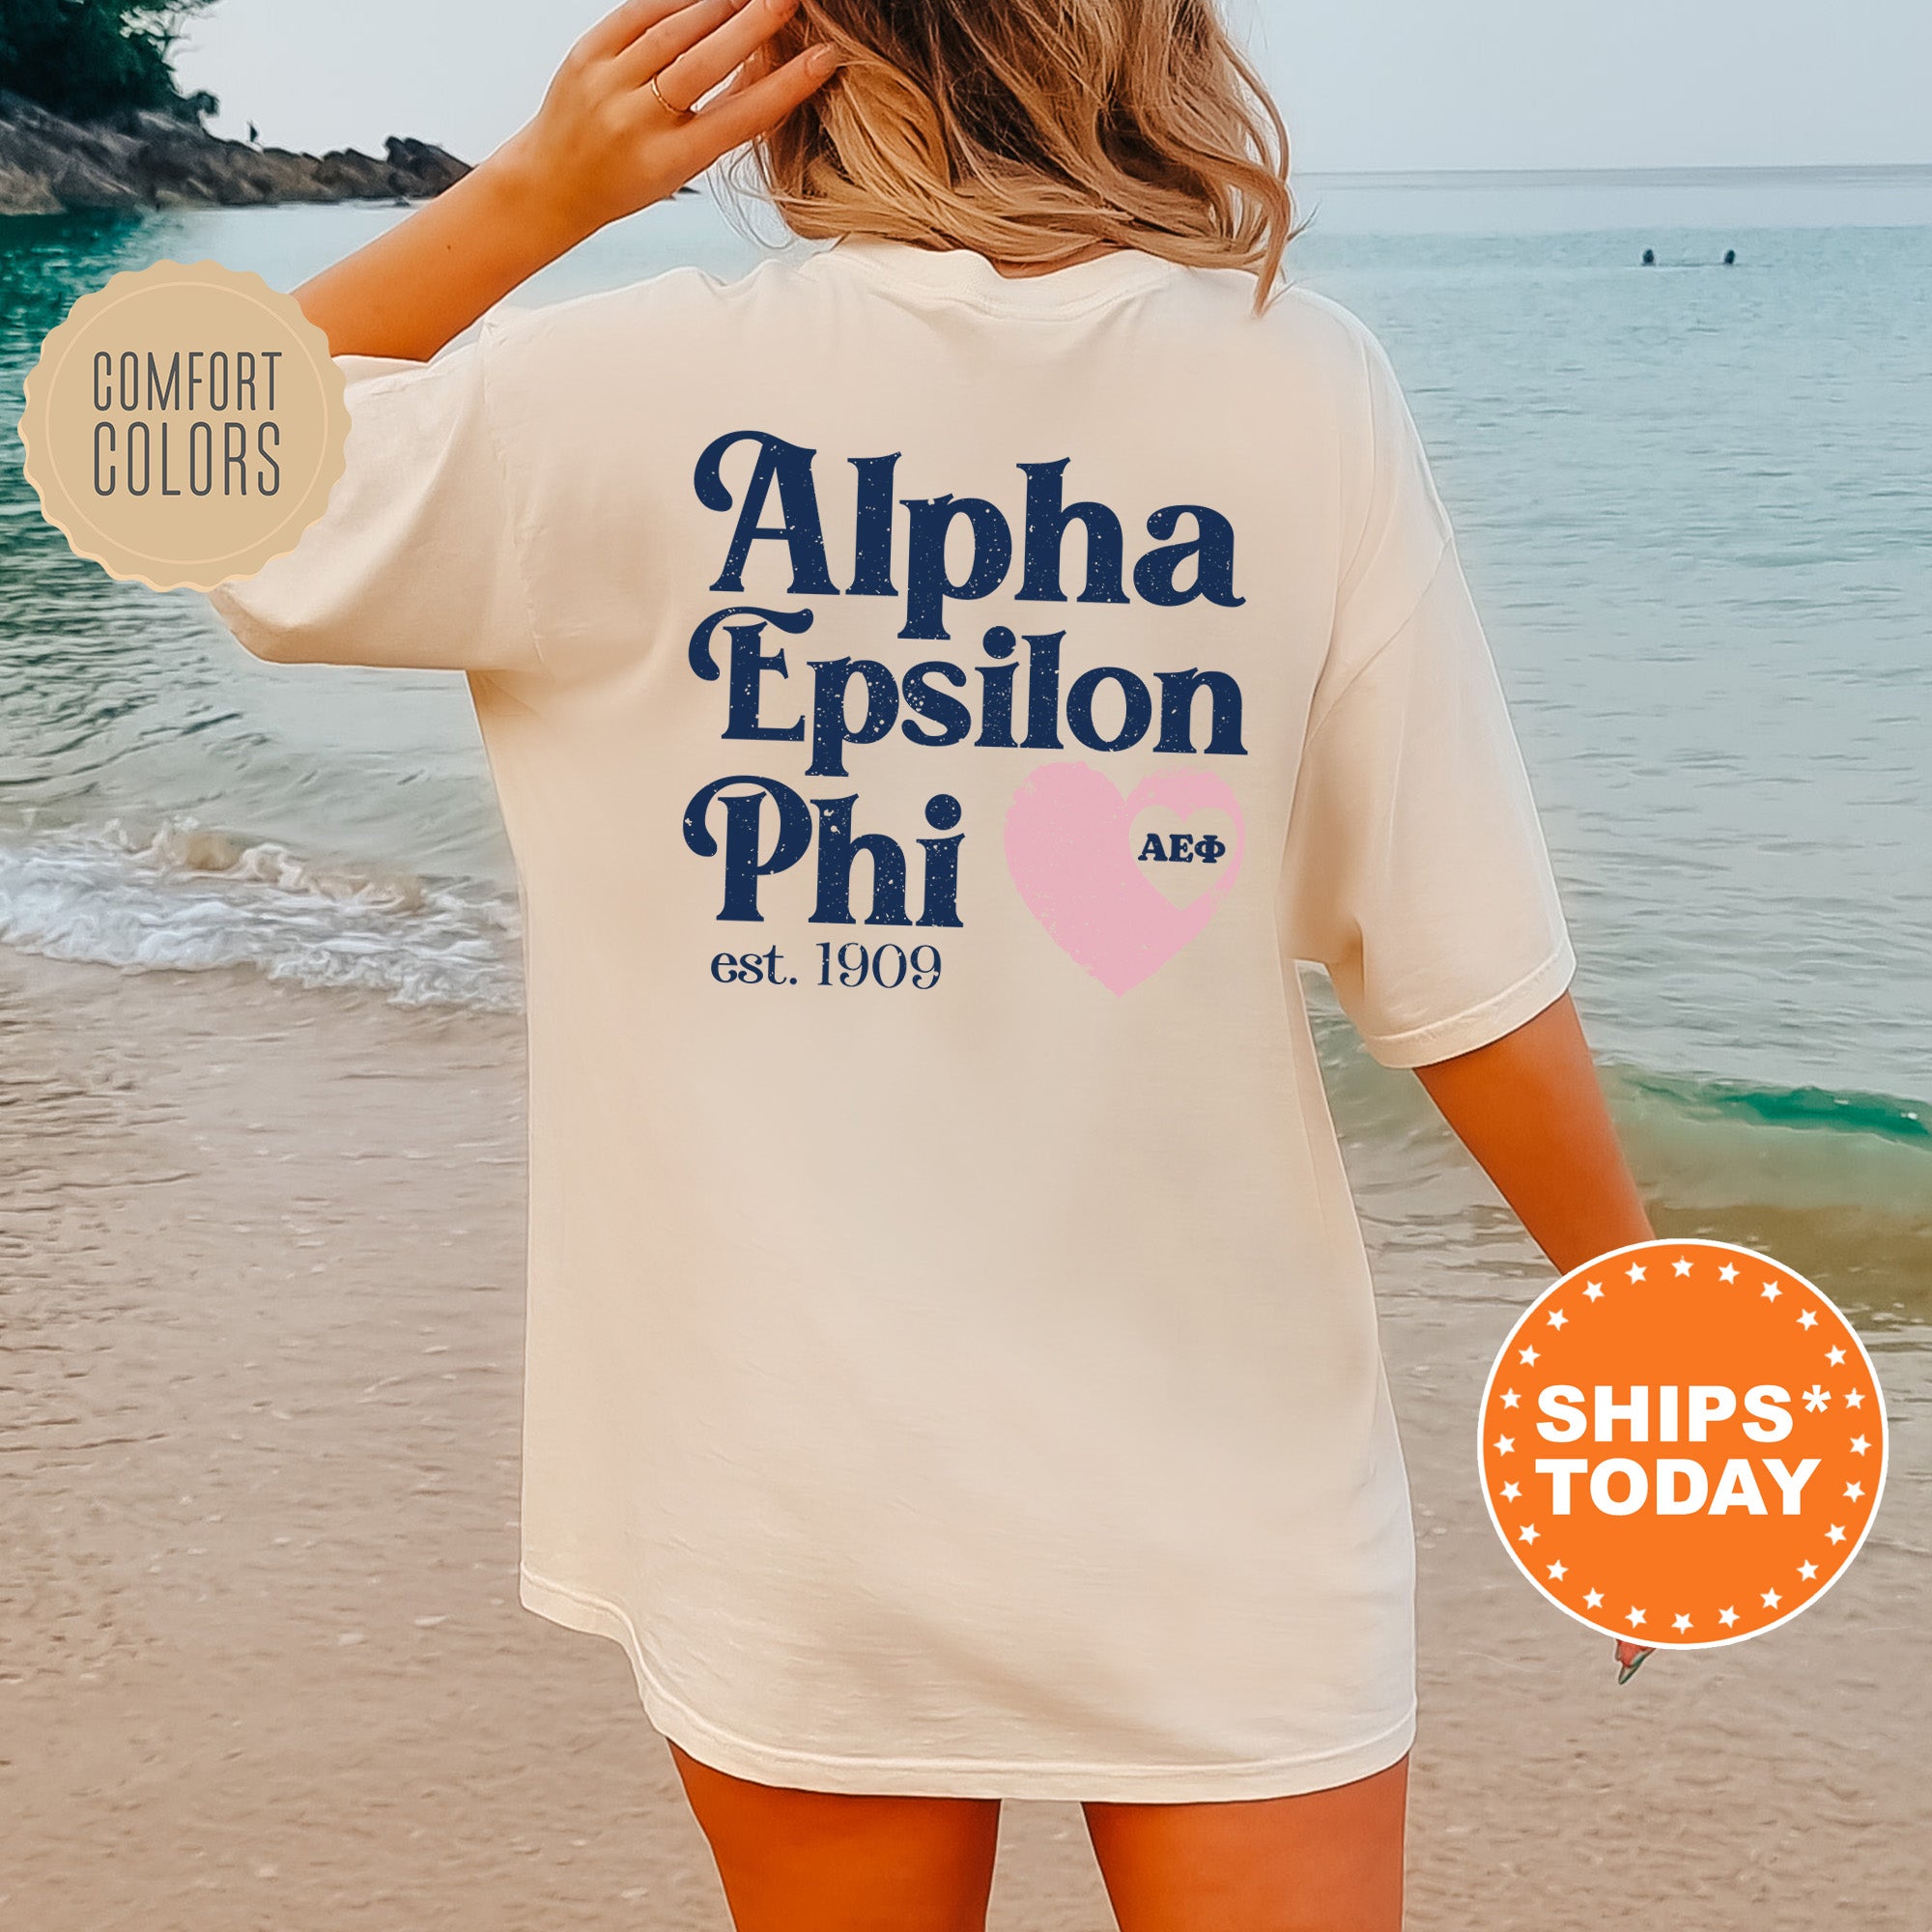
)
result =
(1683, 1444)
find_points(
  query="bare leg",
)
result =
(820, 1862)
(1330, 1862)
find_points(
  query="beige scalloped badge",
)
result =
(184, 424)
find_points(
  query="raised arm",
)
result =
(605, 142)
(1530, 1108)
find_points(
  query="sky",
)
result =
(1366, 85)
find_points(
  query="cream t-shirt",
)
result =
(931, 713)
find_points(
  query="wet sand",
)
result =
(262, 1663)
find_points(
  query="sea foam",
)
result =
(183, 897)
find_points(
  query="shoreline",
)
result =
(261, 1252)
(145, 160)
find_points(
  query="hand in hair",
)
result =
(616, 131)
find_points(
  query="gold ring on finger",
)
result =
(675, 113)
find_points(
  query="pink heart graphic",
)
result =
(1069, 848)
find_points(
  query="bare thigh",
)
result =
(820, 1862)
(1330, 1861)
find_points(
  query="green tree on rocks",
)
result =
(97, 60)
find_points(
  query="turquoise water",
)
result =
(1696, 506)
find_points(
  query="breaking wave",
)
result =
(183, 896)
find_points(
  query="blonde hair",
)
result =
(1027, 130)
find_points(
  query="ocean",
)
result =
(1695, 504)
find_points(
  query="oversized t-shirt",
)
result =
(931, 714)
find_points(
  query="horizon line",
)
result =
(1693, 175)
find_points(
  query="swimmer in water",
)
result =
(1650, 258)
(1730, 258)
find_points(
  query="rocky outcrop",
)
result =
(49, 165)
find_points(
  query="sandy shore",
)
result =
(260, 1659)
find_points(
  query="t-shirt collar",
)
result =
(964, 276)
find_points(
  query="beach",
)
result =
(264, 1663)
(262, 1178)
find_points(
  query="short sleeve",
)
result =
(414, 564)
(1416, 871)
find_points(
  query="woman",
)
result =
(936, 692)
